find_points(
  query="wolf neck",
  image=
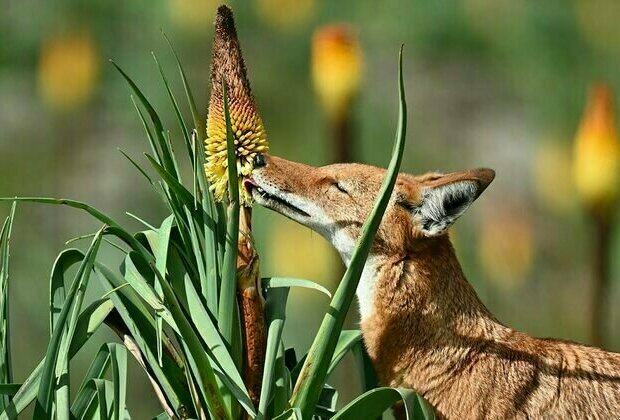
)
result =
(415, 305)
(430, 279)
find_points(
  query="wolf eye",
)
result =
(340, 187)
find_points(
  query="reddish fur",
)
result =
(429, 330)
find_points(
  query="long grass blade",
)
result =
(162, 146)
(43, 408)
(210, 289)
(211, 226)
(273, 282)
(112, 227)
(204, 372)
(222, 361)
(275, 311)
(177, 110)
(140, 324)
(6, 372)
(65, 260)
(227, 304)
(137, 166)
(104, 404)
(313, 374)
(118, 355)
(90, 320)
(198, 122)
(86, 395)
(348, 340)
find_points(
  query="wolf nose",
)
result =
(259, 160)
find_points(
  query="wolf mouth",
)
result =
(272, 201)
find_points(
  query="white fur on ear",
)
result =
(442, 205)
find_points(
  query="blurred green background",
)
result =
(497, 83)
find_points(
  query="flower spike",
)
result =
(249, 133)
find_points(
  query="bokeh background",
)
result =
(497, 83)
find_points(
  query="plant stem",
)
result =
(342, 138)
(251, 307)
(601, 272)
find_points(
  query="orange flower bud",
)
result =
(597, 152)
(336, 67)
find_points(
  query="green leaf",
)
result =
(65, 260)
(348, 339)
(177, 110)
(275, 311)
(293, 282)
(427, 410)
(228, 303)
(290, 414)
(198, 123)
(60, 337)
(165, 154)
(6, 372)
(368, 375)
(222, 361)
(313, 374)
(101, 386)
(90, 319)
(118, 354)
(199, 359)
(112, 228)
(141, 326)
(86, 394)
(138, 167)
(161, 258)
(375, 402)
(283, 386)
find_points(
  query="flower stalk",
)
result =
(597, 177)
(336, 75)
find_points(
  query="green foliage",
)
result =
(171, 301)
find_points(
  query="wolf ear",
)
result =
(445, 199)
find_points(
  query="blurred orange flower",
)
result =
(597, 152)
(68, 69)
(336, 67)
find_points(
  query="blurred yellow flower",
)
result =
(506, 247)
(336, 67)
(248, 130)
(285, 14)
(553, 176)
(68, 69)
(597, 152)
(193, 15)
